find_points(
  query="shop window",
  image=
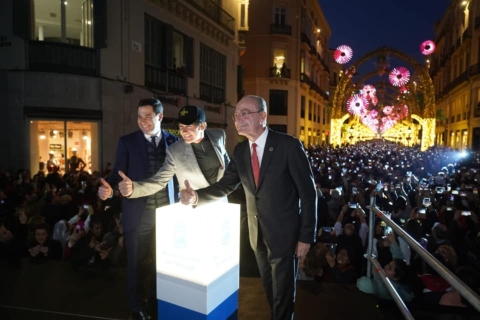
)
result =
(72, 145)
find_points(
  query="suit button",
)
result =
(256, 217)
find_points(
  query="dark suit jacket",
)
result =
(132, 159)
(285, 202)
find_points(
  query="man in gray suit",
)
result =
(200, 158)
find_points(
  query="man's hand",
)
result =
(104, 191)
(125, 186)
(188, 196)
(302, 249)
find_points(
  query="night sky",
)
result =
(367, 25)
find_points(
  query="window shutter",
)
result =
(100, 23)
(168, 46)
(22, 18)
(189, 54)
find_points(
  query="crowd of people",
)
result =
(50, 216)
(433, 195)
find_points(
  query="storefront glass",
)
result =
(64, 146)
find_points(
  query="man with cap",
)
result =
(140, 155)
(200, 158)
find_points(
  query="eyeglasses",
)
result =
(243, 114)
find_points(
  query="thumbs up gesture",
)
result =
(105, 190)
(125, 186)
(188, 196)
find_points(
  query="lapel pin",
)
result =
(270, 149)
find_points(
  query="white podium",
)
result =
(197, 267)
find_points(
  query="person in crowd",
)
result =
(43, 246)
(89, 254)
(276, 174)
(139, 156)
(397, 271)
(341, 267)
(115, 242)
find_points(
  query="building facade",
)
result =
(455, 71)
(73, 71)
(287, 63)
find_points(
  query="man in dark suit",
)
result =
(140, 155)
(281, 200)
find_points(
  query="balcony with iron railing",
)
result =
(472, 71)
(215, 12)
(284, 29)
(62, 58)
(304, 38)
(283, 72)
(165, 80)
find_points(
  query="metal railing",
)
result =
(391, 289)
(61, 57)
(165, 80)
(215, 12)
(446, 274)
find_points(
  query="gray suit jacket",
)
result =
(180, 161)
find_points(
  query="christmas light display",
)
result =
(369, 91)
(427, 47)
(343, 54)
(399, 76)
(357, 104)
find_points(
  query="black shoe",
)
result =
(142, 315)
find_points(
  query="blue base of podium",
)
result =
(226, 310)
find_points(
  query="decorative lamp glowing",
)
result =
(343, 54)
(427, 47)
(399, 76)
(357, 104)
(369, 91)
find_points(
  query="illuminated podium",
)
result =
(198, 261)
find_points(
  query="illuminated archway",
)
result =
(407, 130)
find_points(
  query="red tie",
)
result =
(255, 164)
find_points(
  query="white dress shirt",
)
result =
(158, 135)
(261, 141)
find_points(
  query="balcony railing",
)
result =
(281, 29)
(304, 38)
(165, 80)
(280, 72)
(216, 13)
(472, 71)
(304, 78)
(61, 57)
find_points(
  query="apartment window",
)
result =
(167, 48)
(280, 17)
(314, 112)
(302, 61)
(242, 15)
(64, 21)
(213, 67)
(310, 103)
(302, 107)
(278, 102)
(279, 61)
(278, 127)
(318, 112)
(324, 115)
